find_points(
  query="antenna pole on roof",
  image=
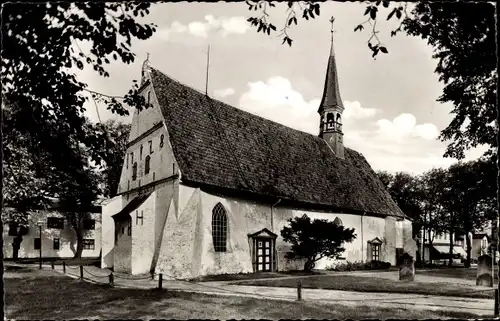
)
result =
(208, 65)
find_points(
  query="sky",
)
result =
(391, 115)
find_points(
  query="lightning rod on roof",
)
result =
(208, 65)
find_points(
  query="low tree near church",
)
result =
(315, 239)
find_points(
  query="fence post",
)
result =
(64, 267)
(52, 263)
(299, 291)
(160, 281)
(496, 303)
(152, 275)
(111, 279)
(81, 272)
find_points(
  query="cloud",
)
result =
(226, 25)
(353, 110)
(398, 145)
(221, 93)
(405, 125)
(276, 100)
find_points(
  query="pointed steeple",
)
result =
(331, 92)
(331, 107)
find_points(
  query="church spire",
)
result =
(331, 107)
(331, 92)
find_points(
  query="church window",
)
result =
(149, 97)
(127, 161)
(219, 228)
(161, 140)
(337, 221)
(150, 147)
(131, 157)
(134, 172)
(146, 165)
(140, 153)
(137, 218)
(375, 252)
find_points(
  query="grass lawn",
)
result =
(374, 284)
(47, 295)
(459, 273)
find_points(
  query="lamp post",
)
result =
(40, 223)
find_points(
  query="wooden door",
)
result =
(264, 255)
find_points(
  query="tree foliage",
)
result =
(405, 190)
(459, 200)
(462, 35)
(315, 239)
(41, 45)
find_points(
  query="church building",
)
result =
(206, 188)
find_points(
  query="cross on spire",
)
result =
(147, 56)
(332, 19)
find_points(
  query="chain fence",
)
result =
(111, 276)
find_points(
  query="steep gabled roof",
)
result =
(221, 146)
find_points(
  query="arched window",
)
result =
(134, 171)
(338, 118)
(329, 121)
(146, 165)
(337, 221)
(219, 228)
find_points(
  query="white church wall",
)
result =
(164, 204)
(112, 207)
(179, 241)
(143, 236)
(147, 117)
(162, 160)
(122, 251)
(245, 217)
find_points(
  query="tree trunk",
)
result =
(16, 245)
(450, 259)
(469, 249)
(309, 265)
(79, 243)
(431, 239)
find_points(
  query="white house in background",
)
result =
(58, 238)
(439, 252)
(206, 188)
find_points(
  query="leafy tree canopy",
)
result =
(313, 240)
(41, 45)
